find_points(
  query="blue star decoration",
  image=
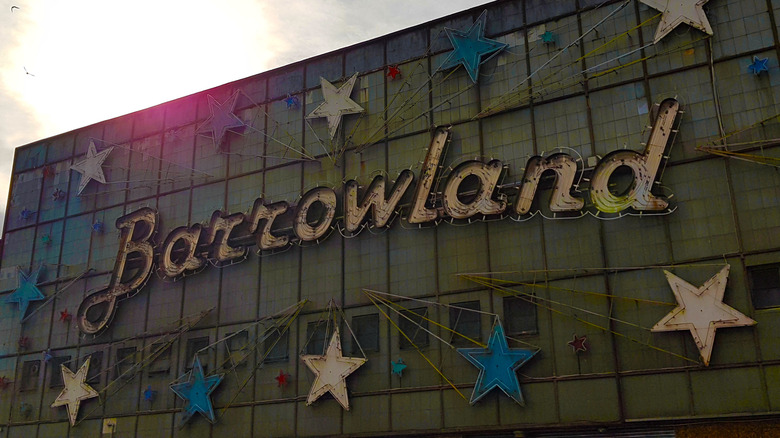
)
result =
(26, 290)
(471, 48)
(498, 365)
(548, 37)
(398, 367)
(759, 65)
(292, 102)
(221, 120)
(149, 394)
(196, 392)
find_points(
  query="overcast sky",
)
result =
(92, 60)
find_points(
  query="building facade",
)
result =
(530, 218)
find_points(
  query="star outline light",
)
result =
(498, 365)
(26, 290)
(337, 103)
(675, 13)
(196, 392)
(471, 49)
(331, 371)
(91, 167)
(700, 305)
(76, 389)
(221, 120)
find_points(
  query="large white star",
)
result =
(331, 370)
(76, 389)
(676, 12)
(337, 103)
(702, 311)
(91, 167)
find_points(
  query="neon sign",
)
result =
(272, 226)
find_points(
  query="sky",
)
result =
(65, 65)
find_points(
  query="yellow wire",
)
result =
(415, 346)
(511, 292)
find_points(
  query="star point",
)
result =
(196, 392)
(221, 120)
(26, 290)
(701, 310)
(758, 65)
(498, 365)
(471, 48)
(331, 370)
(91, 167)
(75, 391)
(337, 104)
(677, 12)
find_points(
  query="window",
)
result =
(275, 346)
(465, 322)
(765, 285)
(317, 336)
(95, 367)
(519, 316)
(125, 361)
(197, 346)
(366, 330)
(411, 322)
(30, 371)
(237, 349)
(55, 372)
(162, 362)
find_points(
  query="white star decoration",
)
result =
(331, 370)
(337, 103)
(91, 167)
(75, 390)
(702, 311)
(676, 12)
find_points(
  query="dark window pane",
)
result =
(161, 364)
(465, 322)
(411, 322)
(237, 349)
(125, 360)
(197, 346)
(95, 367)
(765, 285)
(276, 347)
(519, 316)
(316, 333)
(366, 330)
(55, 371)
(30, 372)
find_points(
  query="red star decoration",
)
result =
(48, 172)
(393, 71)
(282, 378)
(65, 316)
(4, 382)
(24, 342)
(579, 343)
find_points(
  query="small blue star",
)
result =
(759, 65)
(26, 214)
(98, 227)
(149, 394)
(472, 48)
(548, 37)
(292, 102)
(498, 365)
(398, 367)
(26, 290)
(196, 392)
